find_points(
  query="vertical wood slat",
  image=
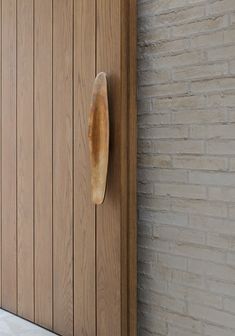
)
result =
(84, 210)
(109, 275)
(43, 161)
(63, 166)
(9, 223)
(0, 153)
(132, 167)
(25, 166)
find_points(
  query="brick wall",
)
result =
(186, 167)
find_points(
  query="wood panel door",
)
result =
(66, 264)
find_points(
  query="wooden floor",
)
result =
(11, 325)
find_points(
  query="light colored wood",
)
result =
(109, 294)
(1, 153)
(116, 218)
(76, 262)
(9, 228)
(132, 168)
(84, 210)
(43, 161)
(62, 166)
(98, 137)
(25, 164)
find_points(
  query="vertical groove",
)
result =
(1, 149)
(96, 240)
(73, 50)
(52, 178)
(17, 284)
(34, 303)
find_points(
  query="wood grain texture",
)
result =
(43, 161)
(76, 271)
(63, 166)
(98, 138)
(109, 275)
(9, 223)
(25, 164)
(1, 153)
(132, 169)
(84, 210)
(116, 219)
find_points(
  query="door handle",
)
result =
(98, 138)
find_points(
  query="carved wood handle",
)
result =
(98, 137)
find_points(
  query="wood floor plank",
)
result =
(63, 166)
(9, 222)
(43, 161)
(84, 210)
(25, 166)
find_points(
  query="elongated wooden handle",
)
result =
(98, 137)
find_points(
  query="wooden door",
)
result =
(66, 264)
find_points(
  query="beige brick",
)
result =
(232, 66)
(212, 330)
(216, 178)
(202, 207)
(200, 162)
(219, 84)
(152, 203)
(231, 116)
(208, 40)
(222, 241)
(221, 53)
(211, 224)
(229, 36)
(145, 188)
(195, 295)
(186, 151)
(155, 7)
(221, 147)
(175, 331)
(163, 175)
(212, 315)
(180, 190)
(145, 146)
(155, 119)
(222, 100)
(151, 35)
(178, 234)
(182, 59)
(221, 287)
(163, 47)
(232, 164)
(200, 26)
(176, 16)
(199, 252)
(200, 71)
(158, 161)
(172, 261)
(222, 194)
(170, 89)
(213, 132)
(149, 77)
(221, 7)
(198, 132)
(175, 103)
(199, 116)
(173, 132)
(179, 147)
(231, 258)
(186, 278)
